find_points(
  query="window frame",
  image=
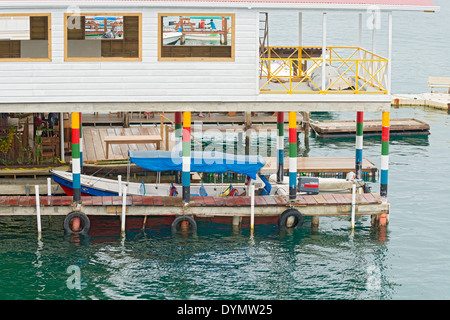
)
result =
(49, 37)
(133, 14)
(199, 14)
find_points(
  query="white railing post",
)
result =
(38, 209)
(119, 180)
(252, 206)
(49, 186)
(353, 205)
(124, 208)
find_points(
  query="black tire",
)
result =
(179, 219)
(298, 219)
(85, 223)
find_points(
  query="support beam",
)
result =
(360, 26)
(178, 141)
(280, 147)
(359, 144)
(300, 29)
(324, 50)
(61, 137)
(292, 155)
(389, 76)
(384, 156)
(76, 178)
(186, 157)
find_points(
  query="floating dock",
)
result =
(369, 204)
(433, 100)
(322, 165)
(347, 128)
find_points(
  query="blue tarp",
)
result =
(201, 161)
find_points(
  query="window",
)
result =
(196, 37)
(103, 36)
(25, 37)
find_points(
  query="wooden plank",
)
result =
(97, 142)
(320, 199)
(123, 148)
(360, 199)
(310, 200)
(329, 198)
(102, 133)
(136, 132)
(370, 198)
(88, 145)
(339, 199)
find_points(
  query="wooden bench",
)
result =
(132, 140)
(439, 82)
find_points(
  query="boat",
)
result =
(163, 161)
(201, 161)
(170, 38)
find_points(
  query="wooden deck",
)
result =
(308, 205)
(94, 146)
(320, 165)
(347, 128)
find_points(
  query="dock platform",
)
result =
(316, 165)
(316, 206)
(432, 100)
(347, 128)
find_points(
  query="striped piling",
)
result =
(178, 140)
(359, 144)
(76, 170)
(186, 176)
(384, 155)
(81, 143)
(292, 155)
(280, 146)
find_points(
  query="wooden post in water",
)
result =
(186, 177)
(306, 126)
(280, 146)
(292, 155)
(76, 178)
(359, 144)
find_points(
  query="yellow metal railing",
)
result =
(296, 70)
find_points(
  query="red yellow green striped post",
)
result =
(76, 178)
(292, 155)
(384, 155)
(359, 144)
(186, 176)
(81, 143)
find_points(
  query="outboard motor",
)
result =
(310, 185)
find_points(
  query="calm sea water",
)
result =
(408, 260)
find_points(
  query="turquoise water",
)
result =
(408, 260)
